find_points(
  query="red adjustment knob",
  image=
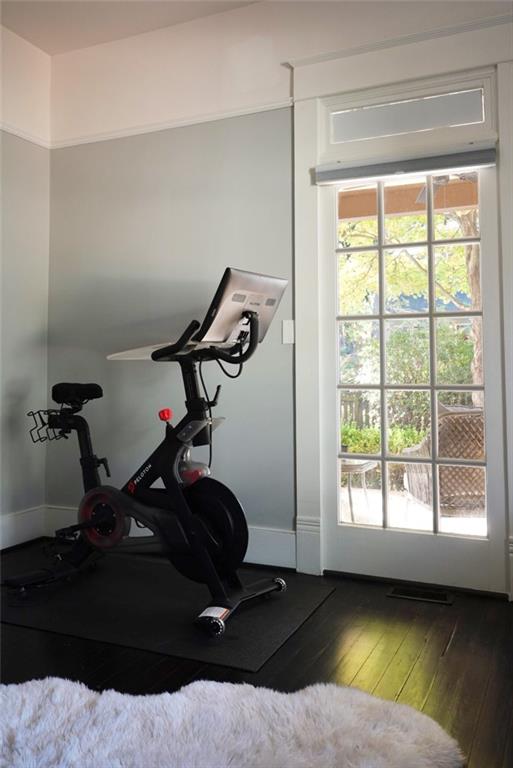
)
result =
(166, 414)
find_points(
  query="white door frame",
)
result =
(413, 555)
(488, 46)
(505, 191)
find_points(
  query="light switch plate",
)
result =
(287, 332)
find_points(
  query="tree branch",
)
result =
(438, 285)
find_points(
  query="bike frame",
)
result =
(165, 511)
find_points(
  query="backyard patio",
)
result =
(404, 511)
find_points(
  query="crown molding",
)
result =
(393, 42)
(138, 130)
(25, 135)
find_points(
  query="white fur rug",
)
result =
(55, 723)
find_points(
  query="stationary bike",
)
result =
(195, 520)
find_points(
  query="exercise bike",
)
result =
(194, 520)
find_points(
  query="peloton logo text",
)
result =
(132, 484)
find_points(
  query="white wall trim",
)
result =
(505, 173)
(143, 129)
(138, 130)
(14, 131)
(308, 544)
(271, 546)
(510, 558)
(308, 523)
(24, 525)
(57, 516)
(416, 37)
(267, 546)
(428, 57)
(307, 360)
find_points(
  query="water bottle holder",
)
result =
(192, 471)
(40, 432)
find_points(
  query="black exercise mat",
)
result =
(142, 602)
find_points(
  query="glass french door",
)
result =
(418, 490)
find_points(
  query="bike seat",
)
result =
(75, 393)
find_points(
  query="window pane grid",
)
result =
(391, 460)
(381, 240)
(413, 459)
(427, 387)
(432, 354)
(413, 315)
(418, 244)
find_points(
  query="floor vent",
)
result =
(420, 593)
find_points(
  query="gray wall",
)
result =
(24, 311)
(141, 231)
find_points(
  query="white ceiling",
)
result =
(56, 26)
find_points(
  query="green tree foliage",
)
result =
(454, 353)
(458, 344)
(367, 440)
(406, 273)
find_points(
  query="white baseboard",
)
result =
(17, 527)
(271, 546)
(309, 545)
(58, 517)
(510, 552)
(267, 546)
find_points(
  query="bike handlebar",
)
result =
(234, 354)
(173, 349)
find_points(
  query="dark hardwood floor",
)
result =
(455, 663)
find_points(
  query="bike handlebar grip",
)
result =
(172, 349)
(252, 345)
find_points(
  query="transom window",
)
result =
(425, 113)
(410, 351)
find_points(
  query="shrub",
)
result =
(404, 437)
(360, 439)
(367, 439)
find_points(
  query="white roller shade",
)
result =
(479, 158)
